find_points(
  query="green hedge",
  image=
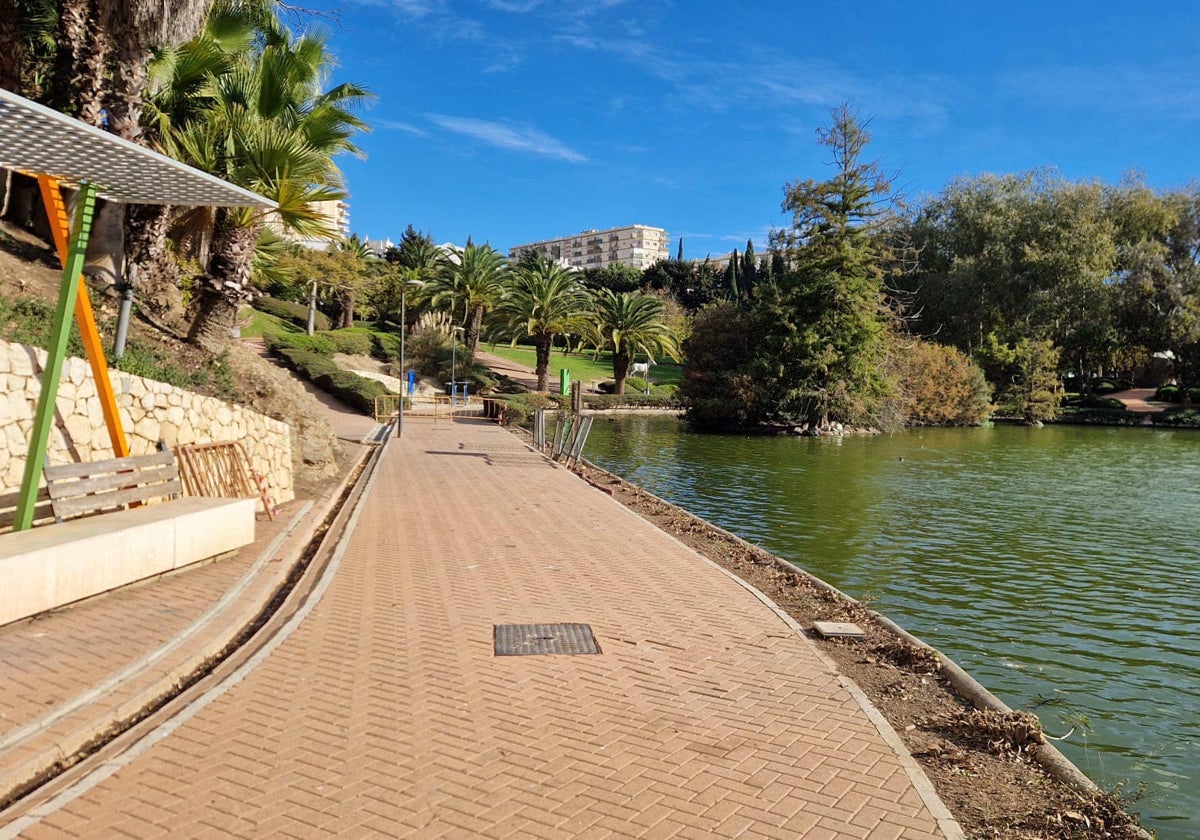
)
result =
(353, 341)
(297, 313)
(1101, 416)
(352, 389)
(1107, 403)
(299, 341)
(1101, 387)
(605, 401)
(1174, 394)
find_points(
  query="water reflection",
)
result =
(1058, 562)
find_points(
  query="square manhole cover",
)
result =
(543, 639)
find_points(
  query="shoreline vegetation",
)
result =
(991, 766)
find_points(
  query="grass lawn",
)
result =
(584, 367)
(261, 322)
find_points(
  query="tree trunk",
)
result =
(471, 336)
(541, 344)
(11, 56)
(149, 268)
(621, 361)
(128, 84)
(215, 318)
(226, 287)
(81, 63)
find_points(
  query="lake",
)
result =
(1059, 566)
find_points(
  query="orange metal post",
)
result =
(61, 226)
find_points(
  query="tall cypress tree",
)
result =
(749, 268)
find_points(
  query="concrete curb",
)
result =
(1057, 765)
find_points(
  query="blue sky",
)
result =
(517, 120)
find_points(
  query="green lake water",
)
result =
(1059, 566)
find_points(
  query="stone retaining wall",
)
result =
(149, 411)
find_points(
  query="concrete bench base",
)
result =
(57, 564)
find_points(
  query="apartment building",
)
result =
(639, 246)
(334, 216)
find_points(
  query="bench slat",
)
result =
(54, 472)
(60, 489)
(64, 508)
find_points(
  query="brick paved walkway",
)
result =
(385, 713)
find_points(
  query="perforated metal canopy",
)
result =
(38, 140)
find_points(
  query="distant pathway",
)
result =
(1138, 399)
(527, 376)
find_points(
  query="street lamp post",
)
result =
(454, 366)
(404, 329)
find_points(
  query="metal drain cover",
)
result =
(543, 639)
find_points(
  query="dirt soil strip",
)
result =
(989, 765)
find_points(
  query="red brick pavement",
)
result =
(386, 714)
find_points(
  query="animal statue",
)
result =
(641, 369)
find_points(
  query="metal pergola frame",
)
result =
(63, 152)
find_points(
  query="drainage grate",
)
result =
(542, 639)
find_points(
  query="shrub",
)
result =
(1168, 393)
(722, 383)
(940, 386)
(1105, 403)
(1102, 387)
(385, 346)
(299, 341)
(353, 341)
(297, 313)
(607, 401)
(1187, 418)
(1101, 416)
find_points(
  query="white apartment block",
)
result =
(334, 217)
(639, 246)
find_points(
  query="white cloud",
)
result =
(396, 125)
(523, 138)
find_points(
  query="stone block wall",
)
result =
(149, 411)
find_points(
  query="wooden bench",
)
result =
(92, 487)
(116, 522)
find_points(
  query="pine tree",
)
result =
(825, 356)
(679, 253)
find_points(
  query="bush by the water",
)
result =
(1101, 416)
(1183, 418)
(628, 400)
(297, 313)
(1174, 394)
(350, 388)
(941, 386)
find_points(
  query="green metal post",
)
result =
(39, 435)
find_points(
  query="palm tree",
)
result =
(629, 323)
(472, 283)
(134, 30)
(544, 300)
(266, 127)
